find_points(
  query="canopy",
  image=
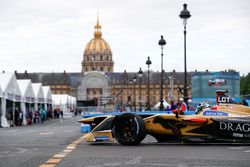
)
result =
(26, 89)
(72, 102)
(59, 99)
(62, 101)
(10, 88)
(47, 94)
(165, 104)
(39, 95)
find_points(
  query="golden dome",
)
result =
(97, 44)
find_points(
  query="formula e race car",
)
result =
(228, 124)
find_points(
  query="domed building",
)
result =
(98, 85)
(97, 54)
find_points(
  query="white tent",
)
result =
(47, 96)
(39, 95)
(165, 104)
(72, 103)
(28, 96)
(61, 101)
(11, 91)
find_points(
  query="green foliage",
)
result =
(245, 84)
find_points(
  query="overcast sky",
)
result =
(51, 35)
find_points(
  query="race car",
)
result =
(206, 126)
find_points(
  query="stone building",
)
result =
(98, 84)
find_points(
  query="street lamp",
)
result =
(185, 15)
(161, 42)
(130, 94)
(140, 73)
(134, 80)
(125, 78)
(148, 62)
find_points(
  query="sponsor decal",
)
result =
(17, 97)
(32, 99)
(102, 138)
(235, 127)
(247, 135)
(215, 113)
(10, 96)
(238, 135)
(40, 100)
(223, 99)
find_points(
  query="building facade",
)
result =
(98, 84)
(88, 87)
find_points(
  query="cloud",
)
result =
(50, 36)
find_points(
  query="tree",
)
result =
(245, 84)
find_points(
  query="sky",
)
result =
(51, 35)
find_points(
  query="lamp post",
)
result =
(161, 42)
(148, 62)
(140, 73)
(130, 94)
(125, 78)
(185, 14)
(134, 81)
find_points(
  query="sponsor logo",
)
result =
(102, 138)
(235, 127)
(223, 99)
(215, 113)
(238, 135)
(247, 135)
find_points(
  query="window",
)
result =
(101, 57)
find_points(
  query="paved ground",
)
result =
(33, 145)
(60, 143)
(153, 154)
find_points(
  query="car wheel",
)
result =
(129, 129)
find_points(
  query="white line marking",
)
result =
(235, 148)
(46, 133)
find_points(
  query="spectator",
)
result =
(190, 105)
(37, 117)
(181, 107)
(20, 118)
(61, 115)
(11, 117)
(172, 105)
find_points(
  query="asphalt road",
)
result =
(57, 143)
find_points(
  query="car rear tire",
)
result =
(129, 129)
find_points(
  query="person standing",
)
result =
(11, 117)
(61, 115)
(20, 118)
(181, 108)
